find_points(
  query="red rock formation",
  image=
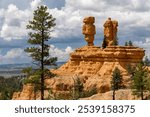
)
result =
(88, 30)
(110, 31)
(95, 65)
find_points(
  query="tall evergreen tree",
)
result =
(126, 43)
(131, 69)
(104, 42)
(116, 82)
(148, 86)
(140, 80)
(41, 26)
(146, 61)
(130, 43)
(77, 88)
(115, 41)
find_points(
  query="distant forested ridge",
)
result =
(8, 86)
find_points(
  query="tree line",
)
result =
(8, 86)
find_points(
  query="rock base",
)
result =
(94, 66)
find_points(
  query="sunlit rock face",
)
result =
(95, 65)
(89, 30)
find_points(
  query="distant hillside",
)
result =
(9, 70)
(8, 86)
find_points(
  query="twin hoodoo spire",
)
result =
(110, 31)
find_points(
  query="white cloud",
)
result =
(35, 3)
(68, 22)
(16, 55)
(10, 32)
(1, 12)
(129, 13)
(145, 45)
(61, 54)
(15, 21)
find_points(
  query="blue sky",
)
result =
(133, 17)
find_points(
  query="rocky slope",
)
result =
(122, 94)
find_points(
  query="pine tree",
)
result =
(41, 27)
(28, 71)
(148, 86)
(130, 69)
(146, 61)
(116, 82)
(115, 41)
(77, 88)
(126, 43)
(104, 42)
(140, 80)
(130, 43)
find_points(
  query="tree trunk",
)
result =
(42, 68)
(34, 92)
(142, 95)
(142, 89)
(42, 86)
(114, 94)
